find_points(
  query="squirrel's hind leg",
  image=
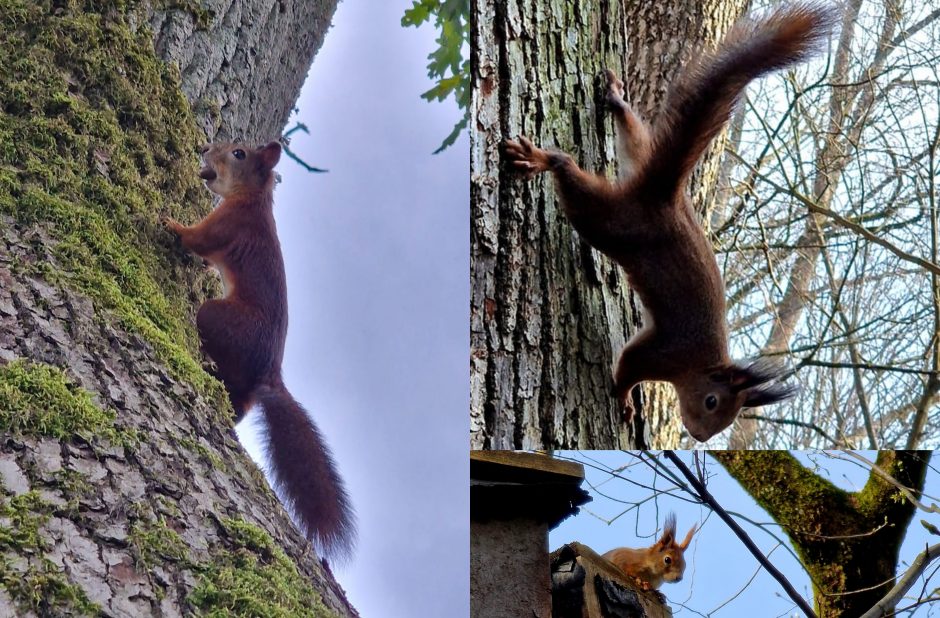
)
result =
(633, 135)
(231, 337)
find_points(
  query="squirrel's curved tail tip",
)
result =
(787, 34)
(803, 25)
(304, 475)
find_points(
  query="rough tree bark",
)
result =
(847, 541)
(548, 315)
(123, 490)
(242, 62)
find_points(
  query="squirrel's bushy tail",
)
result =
(702, 100)
(304, 475)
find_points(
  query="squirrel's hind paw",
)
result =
(614, 94)
(525, 157)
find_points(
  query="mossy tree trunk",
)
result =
(123, 490)
(847, 541)
(549, 315)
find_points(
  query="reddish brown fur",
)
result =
(244, 333)
(645, 222)
(663, 561)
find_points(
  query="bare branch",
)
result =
(885, 606)
(710, 500)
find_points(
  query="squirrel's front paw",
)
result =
(623, 396)
(525, 157)
(614, 96)
(173, 225)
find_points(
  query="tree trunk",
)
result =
(124, 490)
(548, 314)
(242, 63)
(847, 541)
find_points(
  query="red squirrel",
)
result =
(243, 333)
(662, 561)
(645, 221)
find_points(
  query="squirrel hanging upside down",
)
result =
(645, 222)
(244, 332)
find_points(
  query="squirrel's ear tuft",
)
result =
(270, 154)
(767, 394)
(755, 373)
(761, 383)
(669, 531)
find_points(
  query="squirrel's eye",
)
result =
(668, 560)
(238, 154)
(711, 402)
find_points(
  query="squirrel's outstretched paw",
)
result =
(628, 411)
(209, 366)
(525, 157)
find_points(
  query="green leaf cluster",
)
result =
(447, 64)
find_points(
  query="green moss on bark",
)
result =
(253, 577)
(202, 17)
(154, 542)
(40, 400)
(848, 542)
(214, 460)
(43, 588)
(97, 142)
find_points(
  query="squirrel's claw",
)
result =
(626, 402)
(525, 157)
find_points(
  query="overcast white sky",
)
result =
(718, 566)
(377, 258)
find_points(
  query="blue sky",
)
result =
(377, 259)
(718, 566)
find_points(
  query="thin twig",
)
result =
(890, 600)
(795, 423)
(285, 145)
(710, 500)
(811, 362)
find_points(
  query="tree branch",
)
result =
(862, 231)
(890, 600)
(710, 500)
(811, 362)
(285, 145)
(796, 423)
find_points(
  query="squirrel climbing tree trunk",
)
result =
(548, 314)
(123, 490)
